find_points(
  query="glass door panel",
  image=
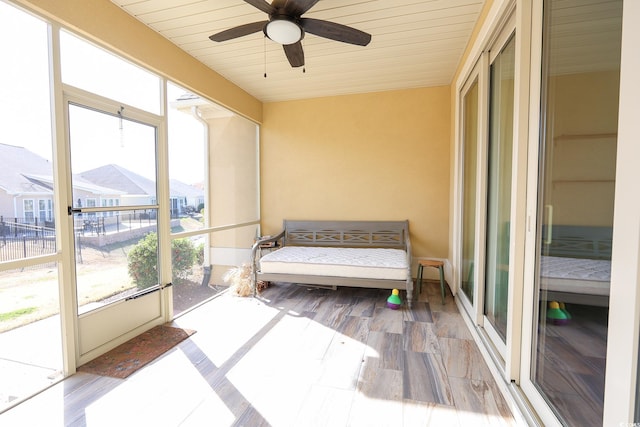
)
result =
(470, 158)
(115, 214)
(112, 159)
(499, 188)
(577, 163)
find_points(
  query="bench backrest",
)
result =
(354, 234)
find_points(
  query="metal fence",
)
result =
(22, 240)
(28, 237)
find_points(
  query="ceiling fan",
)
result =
(287, 27)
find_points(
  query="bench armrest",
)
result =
(254, 255)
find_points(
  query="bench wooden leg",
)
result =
(442, 285)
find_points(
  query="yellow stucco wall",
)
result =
(105, 23)
(376, 156)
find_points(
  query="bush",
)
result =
(143, 260)
(183, 255)
(200, 254)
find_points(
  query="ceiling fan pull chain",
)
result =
(265, 56)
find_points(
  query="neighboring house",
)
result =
(138, 190)
(21, 195)
(26, 188)
(184, 195)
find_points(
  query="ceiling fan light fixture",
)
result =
(283, 31)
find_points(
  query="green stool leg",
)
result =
(442, 283)
(419, 279)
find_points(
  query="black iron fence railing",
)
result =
(20, 240)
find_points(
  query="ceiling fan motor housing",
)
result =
(284, 30)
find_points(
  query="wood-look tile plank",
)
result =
(384, 351)
(213, 407)
(420, 312)
(425, 378)
(462, 359)
(476, 404)
(378, 401)
(428, 414)
(340, 367)
(450, 325)
(387, 320)
(420, 337)
(501, 403)
(431, 289)
(325, 407)
(332, 314)
(355, 327)
(251, 417)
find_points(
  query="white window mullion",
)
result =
(62, 199)
(624, 303)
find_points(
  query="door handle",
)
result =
(549, 239)
(72, 210)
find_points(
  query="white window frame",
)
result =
(624, 302)
(503, 20)
(26, 210)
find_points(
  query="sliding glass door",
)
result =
(470, 136)
(486, 168)
(498, 209)
(575, 200)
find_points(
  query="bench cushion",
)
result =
(369, 263)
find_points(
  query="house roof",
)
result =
(180, 188)
(24, 172)
(18, 164)
(119, 178)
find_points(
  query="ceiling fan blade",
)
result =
(262, 5)
(239, 31)
(294, 7)
(295, 54)
(333, 31)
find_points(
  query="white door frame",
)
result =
(103, 329)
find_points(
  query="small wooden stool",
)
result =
(435, 264)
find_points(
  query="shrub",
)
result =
(142, 260)
(200, 254)
(183, 255)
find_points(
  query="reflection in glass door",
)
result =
(579, 116)
(499, 188)
(115, 214)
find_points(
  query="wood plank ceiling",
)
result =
(415, 43)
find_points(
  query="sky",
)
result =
(96, 139)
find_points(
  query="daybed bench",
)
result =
(367, 254)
